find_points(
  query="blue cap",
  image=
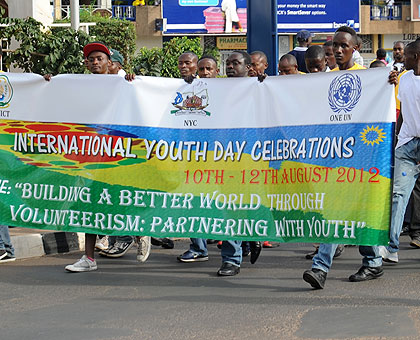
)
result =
(304, 35)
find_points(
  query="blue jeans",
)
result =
(198, 246)
(323, 260)
(406, 157)
(5, 243)
(232, 252)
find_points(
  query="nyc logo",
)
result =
(6, 91)
(344, 93)
(192, 102)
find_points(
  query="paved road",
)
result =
(163, 299)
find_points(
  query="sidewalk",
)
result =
(38, 242)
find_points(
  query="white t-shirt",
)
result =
(357, 58)
(409, 95)
(399, 66)
(122, 73)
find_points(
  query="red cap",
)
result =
(95, 46)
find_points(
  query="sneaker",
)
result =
(192, 257)
(267, 244)
(106, 251)
(83, 265)
(143, 248)
(8, 258)
(219, 244)
(415, 242)
(119, 249)
(387, 256)
(101, 243)
(3, 254)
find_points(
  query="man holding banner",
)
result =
(98, 61)
(237, 65)
(344, 43)
(407, 156)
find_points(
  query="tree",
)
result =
(60, 49)
(39, 51)
(164, 61)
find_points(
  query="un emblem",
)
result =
(344, 92)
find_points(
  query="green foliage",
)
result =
(60, 50)
(148, 62)
(57, 51)
(115, 33)
(164, 61)
(172, 49)
(213, 51)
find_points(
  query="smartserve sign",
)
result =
(207, 16)
(317, 15)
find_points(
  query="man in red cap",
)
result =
(98, 60)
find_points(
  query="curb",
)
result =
(33, 244)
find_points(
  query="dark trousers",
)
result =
(414, 227)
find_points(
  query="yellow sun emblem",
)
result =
(372, 135)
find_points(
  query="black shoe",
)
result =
(156, 241)
(246, 250)
(415, 242)
(315, 277)
(366, 273)
(310, 256)
(212, 241)
(167, 243)
(405, 230)
(228, 269)
(255, 250)
(339, 250)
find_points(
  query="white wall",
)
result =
(40, 10)
(148, 41)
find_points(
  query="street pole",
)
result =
(57, 9)
(262, 30)
(74, 13)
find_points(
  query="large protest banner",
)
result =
(292, 159)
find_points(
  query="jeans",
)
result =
(5, 243)
(323, 260)
(232, 252)
(198, 246)
(406, 157)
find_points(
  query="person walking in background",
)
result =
(304, 39)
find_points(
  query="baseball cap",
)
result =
(96, 46)
(304, 35)
(116, 56)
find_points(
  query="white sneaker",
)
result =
(387, 256)
(101, 243)
(83, 265)
(143, 248)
